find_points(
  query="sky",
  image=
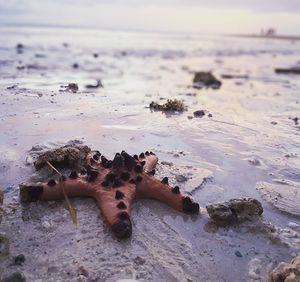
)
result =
(204, 16)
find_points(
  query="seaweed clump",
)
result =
(170, 106)
(234, 211)
(71, 156)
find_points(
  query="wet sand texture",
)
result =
(248, 138)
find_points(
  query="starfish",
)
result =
(114, 184)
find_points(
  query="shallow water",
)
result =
(250, 138)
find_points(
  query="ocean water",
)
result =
(251, 140)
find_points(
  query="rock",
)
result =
(205, 79)
(181, 178)
(35, 67)
(167, 163)
(170, 106)
(286, 272)
(292, 70)
(75, 66)
(14, 86)
(19, 48)
(291, 155)
(295, 120)
(199, 113)
(68, 156)
(19, 259)
(71, 87)
(238, 254)
(17, 276)
(284, 197)
(234, 210)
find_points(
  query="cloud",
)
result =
(253, 5)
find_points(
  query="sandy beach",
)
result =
(246, 144)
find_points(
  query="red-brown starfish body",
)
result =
(114, 185)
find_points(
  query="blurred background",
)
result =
(219, 16)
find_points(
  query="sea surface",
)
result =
(246, 145)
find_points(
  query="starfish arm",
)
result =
(93, 160)
(150, 161)
(74, 185)
(152, 188)
(115, 206)
(53, 190)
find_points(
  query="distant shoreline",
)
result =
(279, 37)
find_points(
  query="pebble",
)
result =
(167, 163)
(238, 254)
(19, 259)
(199, 113)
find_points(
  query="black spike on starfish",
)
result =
(114, 185)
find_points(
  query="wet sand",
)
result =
(249, 139)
